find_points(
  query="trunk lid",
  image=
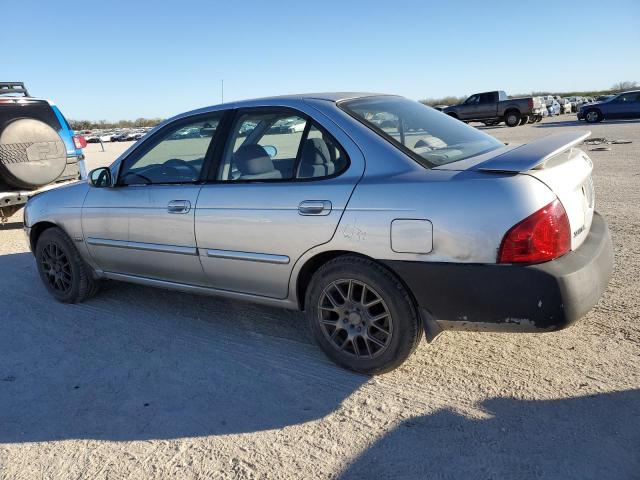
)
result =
(555, 161)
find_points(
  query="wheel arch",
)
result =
(512, 108)
(37, 230)
(313, 264)
(594, 109)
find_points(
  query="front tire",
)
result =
(593, 116)
(361, 315)
(64, 273)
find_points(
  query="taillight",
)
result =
(531, 104)
(540, 237)
(79, 141)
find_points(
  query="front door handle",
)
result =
(314, 207)
(179, 206)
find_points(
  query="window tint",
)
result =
(176, 157)
(628, 97)
(263, 146)
(427, 135)
(488, 98)
(321, 156)
(279, 145)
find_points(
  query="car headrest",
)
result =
(315, 152)
(253, 160)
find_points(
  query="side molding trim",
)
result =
(248, 256)
(149, 247)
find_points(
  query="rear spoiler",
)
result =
(531, 155)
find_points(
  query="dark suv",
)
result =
(37, 147)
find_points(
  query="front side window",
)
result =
(428, 136)
(628, 97)
(176, 156)
(279, 145)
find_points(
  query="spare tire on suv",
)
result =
(32, 154)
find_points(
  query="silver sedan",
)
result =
(381, 218)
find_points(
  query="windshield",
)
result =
(430, 137)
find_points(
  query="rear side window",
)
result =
(428, 136)
(279, 145)
(320, 156)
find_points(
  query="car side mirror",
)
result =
(100, 177)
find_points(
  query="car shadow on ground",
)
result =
(142, 363)
(592, 437)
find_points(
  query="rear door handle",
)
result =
(314, 207)
(179, 206)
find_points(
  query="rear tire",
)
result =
(512, 118)
(361, 315)
(64, 273)
(524, 119)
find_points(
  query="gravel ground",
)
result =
(144, 383)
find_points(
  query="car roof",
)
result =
(328, 96)
(300, 97)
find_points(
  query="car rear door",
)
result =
(144, 226)
(282, 183)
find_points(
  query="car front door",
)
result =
(626, 105)
(280, 188)
(471, 108)
(144, 225)
(487, 106)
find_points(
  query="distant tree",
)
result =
(102, 124)
(450, 100)
(622, 86)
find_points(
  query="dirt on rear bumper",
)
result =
(514, 298)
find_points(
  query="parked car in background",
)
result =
(495, 106)
(381, 235)
(623, 105)
(565, 105)
(575, 103)
(553, 108)
(38, 149)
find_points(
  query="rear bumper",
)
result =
(532, 298)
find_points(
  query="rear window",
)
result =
(428, 136)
